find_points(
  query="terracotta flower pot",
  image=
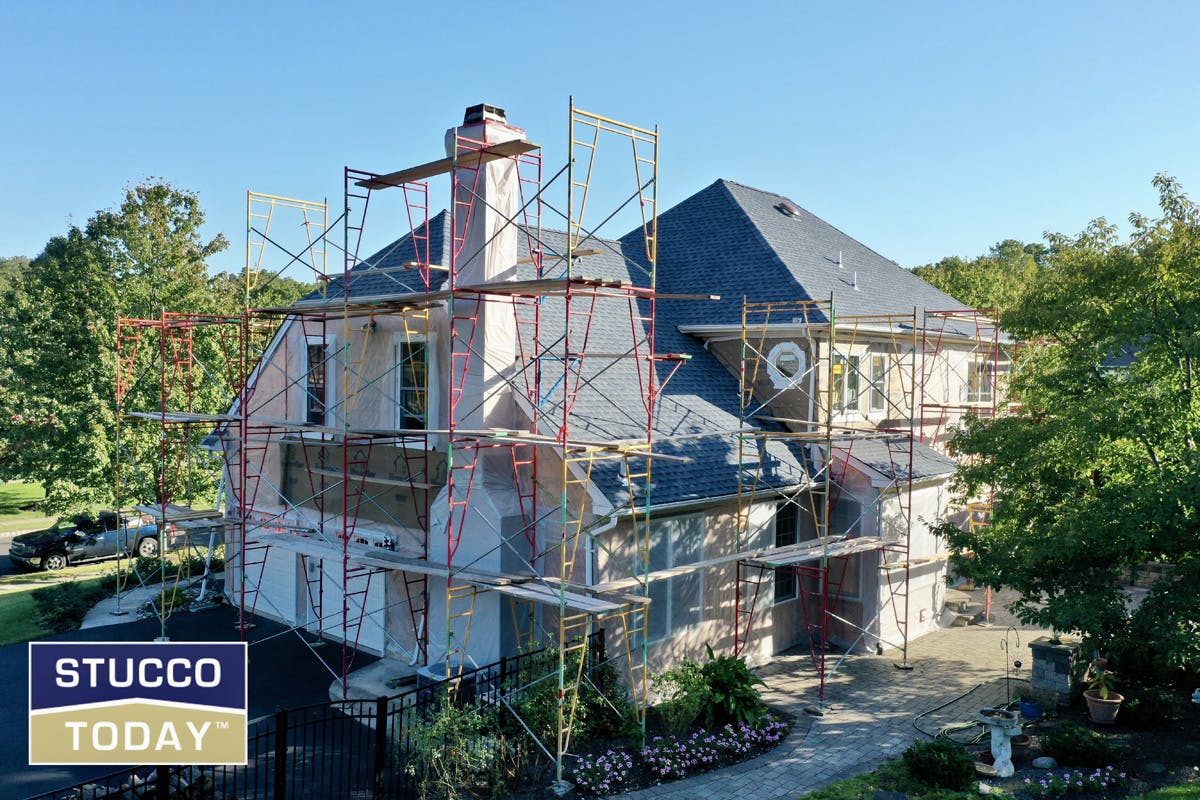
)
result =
(1103, 711)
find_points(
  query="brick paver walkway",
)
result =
(872, 709)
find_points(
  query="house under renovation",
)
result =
(508, 426)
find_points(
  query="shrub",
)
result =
(683, 696)
(1076, 746)
(940, 763)
(733, 697)
(1151, 707)
(447, 750)
(602, 709)
(170, 599)
(62, 607)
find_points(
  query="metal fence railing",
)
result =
(353, 749)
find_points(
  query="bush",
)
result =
(602, 711)
(448, 750)
(940, 763)
(170, 599)
(62, 607)
(1152, 707)
(733, 698)
(683, 696)
(1073, 745)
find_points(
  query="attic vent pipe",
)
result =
(855, 280)
(840, 264)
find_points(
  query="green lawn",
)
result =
(18, 619)
(893, 777)
(18, 495)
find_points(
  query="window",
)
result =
(878, 394)
(845, 384)
(785, 362)
(316, 390)
(676, 603)
(787, 531)
(411, 357)
(979, 381)
(845, 520)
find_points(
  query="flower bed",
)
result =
(1057, 783)
(670, 758)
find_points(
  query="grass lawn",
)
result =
(892, 776)
(18, 495)
(18, 619)
(19, 616)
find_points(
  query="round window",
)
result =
(785, 361)
(788, 364)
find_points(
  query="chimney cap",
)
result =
(484, 112)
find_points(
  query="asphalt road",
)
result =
(7, 567)
(283, 673)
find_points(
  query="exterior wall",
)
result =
(927, 581)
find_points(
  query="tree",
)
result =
(992, 281)
(57, 343)
(1098, 469)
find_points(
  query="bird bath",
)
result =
(1003, 726)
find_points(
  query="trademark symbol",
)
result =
(221, 726)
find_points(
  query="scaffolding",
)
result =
(813, 406)
(304, 443)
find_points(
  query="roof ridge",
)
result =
(818, 218)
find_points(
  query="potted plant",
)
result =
(1030, 708)
(1103, 703)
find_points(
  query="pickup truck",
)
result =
(84, 538)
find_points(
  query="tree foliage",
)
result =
(58, 359)
(993, 281)
(1098, 469)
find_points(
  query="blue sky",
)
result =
(921, 129)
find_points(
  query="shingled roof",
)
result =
(727, 239)
(738, 241)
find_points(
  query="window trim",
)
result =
(669, 631)
(329, 370)
(431, 381)
(877, 387)
(978, 370)
(778, 379)
(852, 365)
(781, 572)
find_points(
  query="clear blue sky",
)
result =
(922, 129)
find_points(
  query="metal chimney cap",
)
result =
(484, 112)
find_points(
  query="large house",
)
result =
(409, 485)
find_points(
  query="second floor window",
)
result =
(979, 381)
(787, 532)
(316, 390)
(846, 373)
(878, 398)
(412, 384)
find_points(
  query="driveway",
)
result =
(283, 673)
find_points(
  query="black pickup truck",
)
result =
(84, 538)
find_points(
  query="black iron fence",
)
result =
(352, 749)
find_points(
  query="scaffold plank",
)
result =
(443, 165)
(525, 587)
(814, 551)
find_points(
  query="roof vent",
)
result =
(484, 113)
(788, 208)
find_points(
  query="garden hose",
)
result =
(949, 731)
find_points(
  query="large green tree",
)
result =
(992, 281)
(57, 341)
(1097, 469)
